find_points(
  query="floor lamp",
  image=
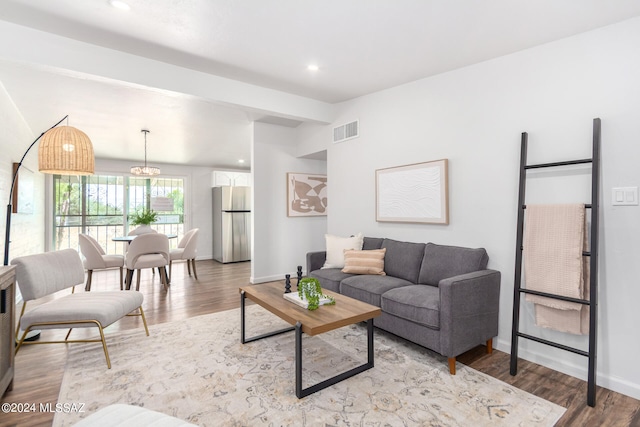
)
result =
(63, 150)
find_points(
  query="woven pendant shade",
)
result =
(65, 150)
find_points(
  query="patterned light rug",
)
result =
(198, 371)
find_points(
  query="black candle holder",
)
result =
(287, 283)
(299, 274)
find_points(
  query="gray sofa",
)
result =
(441, 297)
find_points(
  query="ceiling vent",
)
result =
(346, 131)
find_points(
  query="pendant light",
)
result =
(145, 170)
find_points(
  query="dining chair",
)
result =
(187, 250)
(149, 250)
(96, 259)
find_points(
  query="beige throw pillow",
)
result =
(364, 262)
(336, 246)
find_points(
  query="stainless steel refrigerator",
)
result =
(231, 224)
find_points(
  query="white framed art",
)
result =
(413, 193)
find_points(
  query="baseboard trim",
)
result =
(274, 278)
(619, 385)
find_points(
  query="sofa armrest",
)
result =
(315, 260)
(469, 305)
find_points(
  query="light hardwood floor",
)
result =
(40, 368)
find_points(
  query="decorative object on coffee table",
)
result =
(309, 290)
(299, 274)
(287, 283)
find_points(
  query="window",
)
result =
(99, 205)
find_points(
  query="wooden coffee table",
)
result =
(326, 318)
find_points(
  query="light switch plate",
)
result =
(624, 196)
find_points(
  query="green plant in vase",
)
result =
(309, 289)
(144, 217)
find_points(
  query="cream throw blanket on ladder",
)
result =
(554, 239)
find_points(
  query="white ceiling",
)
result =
(360, 46)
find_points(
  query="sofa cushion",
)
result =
(330, 278)
(336, 246)
(416, 303)
(403, 259)
(364, 262)
(369, 288)
(441, 262)
(372, 243)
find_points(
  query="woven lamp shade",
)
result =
(65, 150)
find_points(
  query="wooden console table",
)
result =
(7, 326)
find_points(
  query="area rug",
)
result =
(198, 371)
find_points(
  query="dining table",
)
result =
(130, 238)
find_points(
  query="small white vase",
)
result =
(142, 229)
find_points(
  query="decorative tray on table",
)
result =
(295, 298)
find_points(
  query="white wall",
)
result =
(280, 243)
(27, 230)
(474, 117)
(197, 197)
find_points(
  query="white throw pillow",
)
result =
(336, 246)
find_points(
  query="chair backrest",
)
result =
(43, 274)
(142, 230)
(150, 243)
(95, 243)
(185, 239)
(91, 252)
(191, 246)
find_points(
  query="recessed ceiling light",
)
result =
(313, 67)
(119, 4)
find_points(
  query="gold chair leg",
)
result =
(87, 287)
(189, 267)
(21, 340)
(24, 306)
(121, 281)
(104, 347)
(68, 333)
(193, 264)
(138, 280)
(170, 267)
(144, 320)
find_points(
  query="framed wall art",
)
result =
(413, 193)
(306, 194)
(23, 192)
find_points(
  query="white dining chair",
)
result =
(149, 250)
(95, 258)
(187, 250)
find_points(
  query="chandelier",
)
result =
(145, 170)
